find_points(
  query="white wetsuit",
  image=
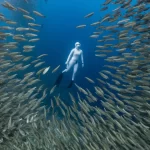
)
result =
(72, 61)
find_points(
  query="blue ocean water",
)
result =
(58, 35)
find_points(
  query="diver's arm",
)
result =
(82, 59)
(68, 59)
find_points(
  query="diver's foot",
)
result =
(59, 79)
(71, 83)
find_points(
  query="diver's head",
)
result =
(77, 45)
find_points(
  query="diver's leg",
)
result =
(73, 75)
(59, 79)
(69, 66)
(74, 71)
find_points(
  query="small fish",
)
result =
(25, 67)
(39, 64)
(34, 25)
(29, 17)
(95, 23)
(6, 28)
(97, 33)
(89, 15)
(99, 91)
(17, 38)
(104, 8)
(99, 46)
(94, 36)
(90, 80)
(100, 55)
(31, 35)
(105, 51)
(105, 18)
(10, 123)
(103, 75)
(116, 9)
(33, 30)
(28, 47)
(40, 71)
(53, 89)
(8, 5)
(27, 58)
(53, 71)
(34, 40)
(46, 70)
(38, 14)
(123, 21)
(81, 89)
(11, 22)
(42, 55)
(35, 61)
(22, 29)
(23, 10)
(107, 2)
(81, 26)
(130, 24)
(28, 50)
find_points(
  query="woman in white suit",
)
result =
(72, 61)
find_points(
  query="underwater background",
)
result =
(110, 110)
(58, 35)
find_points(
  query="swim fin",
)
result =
(57, 82)
(71, 83)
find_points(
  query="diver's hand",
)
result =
(82, 65)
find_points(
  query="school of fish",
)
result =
(122, 87)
